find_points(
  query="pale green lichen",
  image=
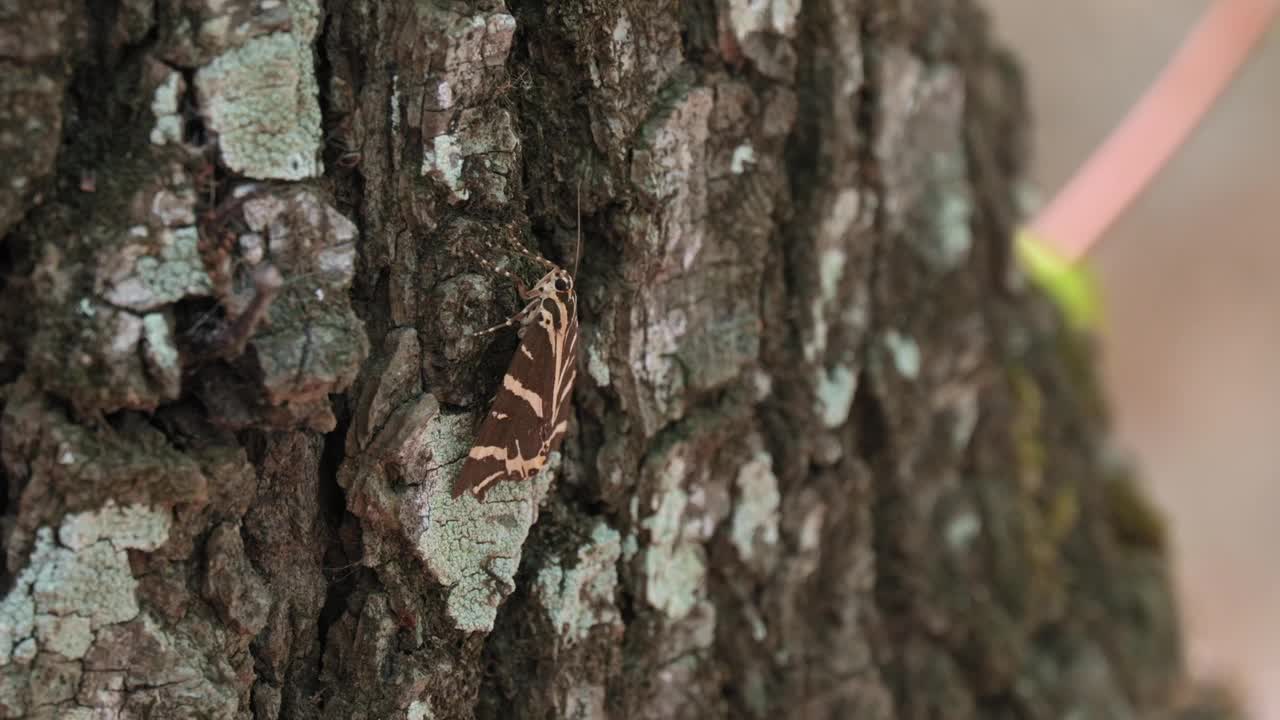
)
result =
(395, 104)
(811, 528)
(630, 546)
(584, 702)
(580, 597)
(94, 581)
(304, 18)
(622, 48)
(964, 418)
(154, 270)
(473, 548)
(597, 367)
(904, 353)
(759, 631)
(668, 164)
(775, 17)
(816, 344)
(674, 567)
(835, 388)
(923, 155)
(261, 101)
(124, 330)
(755, 515)
(831, 266)
(161, 353)
(953, 210)
(68, 591)
(654, 356)
(761, 384)
(830, 270)
(479, 141)
(743, 155)
(844, 212)
(69, 636)
(25, 652)
(420, 710)
(962, 530)
(134, 527)
(175, 206)
(443, 161)
(17, 615)
(164, 106)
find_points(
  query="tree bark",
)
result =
(830, 458)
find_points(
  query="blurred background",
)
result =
(1191, 345)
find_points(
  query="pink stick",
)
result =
(1154, 128)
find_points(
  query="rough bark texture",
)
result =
(830, 459)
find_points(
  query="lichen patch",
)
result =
(159, 267)
(755, 514)
(767, 16)
(472, 548)
(673, 564)
(78, 583)
(577, 594)
(443, 161)
(834, 389)
(164, 106)
(261, 100)
(904, 352)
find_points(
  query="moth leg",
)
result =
(509, 322)
(520, 317)
(525, 291)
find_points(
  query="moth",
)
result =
(529, 414)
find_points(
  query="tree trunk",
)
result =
(830, 457)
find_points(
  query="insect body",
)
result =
(529, 415)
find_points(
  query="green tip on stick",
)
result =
(1071, 285)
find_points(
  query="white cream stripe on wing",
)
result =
(562, 344)
(559, 430)
(519, 465)
(480, 452)
(566, 390)
(513, 385)
(491, 479)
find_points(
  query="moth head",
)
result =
(553, 283)
(561, 281)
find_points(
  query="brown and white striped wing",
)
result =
(530, 412)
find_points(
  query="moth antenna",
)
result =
(577, 251)
(520, 286)
(519, 249)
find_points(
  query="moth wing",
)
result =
(566, 374)
(509, 445)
